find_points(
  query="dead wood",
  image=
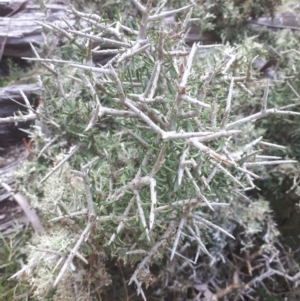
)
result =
(12, 102)
(19, 27)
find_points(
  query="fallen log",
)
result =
(12, 148)
(21, 26)
(11, 102)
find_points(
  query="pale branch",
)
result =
(143, 24)
(21, 118)
(268, 157)
(129, 30)
(260, 115)
(138, 137)
(73, 252)
(159, 162)
(95, 21)
(169, 13)
(192, 201)
(35, 112)
(194, 101)
(217, 135)
(227, 173)
(211, 176)
(228, 106)
(141, 98)
(72, 64)
(141, 213)
(181, 88)
(93, 92)
(198, 136)
(153, 203)
(136, 49)
(137, 252)
(197, 218)
(206, 150)
(52, 70)
(100, 39)
(259, 163)
(82, 212)
(182, 166)
(117, 113)
(273, 145)
(122, 222)
(249, 180)
(58, 29)
(265, 97)
(88, 192)
(229, 63)
(238, 155)
(111, 175)
(47, 145)
(242, 86)
(31, 265)
(152, 85)
(245, 171)
(176, 53)
(187, 71)
(106, 51)
(198, 239)
(181, 256)
(72, 152)
(94, 118)
(178, 233)
(114, 74)
(144, 117)
(152, 253)
(197, 189)
(139, 6)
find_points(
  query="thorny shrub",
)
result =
(144, 159)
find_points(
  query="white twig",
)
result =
(121, 224)
(74, 150)
(204, 221)
(259, 163)
(265, 97)
(182, 166)
(272, 145)
(21, 118)
(228, 105)
(178, 234)
(141, 213)
(201, 244)
(72, 64)
(197, 189)
(196, 102)
(152, 253)
(169, 13)
(153, 203)
(69, 259)
(260, 115)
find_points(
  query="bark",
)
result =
(12, 148)
(19, 28)
(11, 101)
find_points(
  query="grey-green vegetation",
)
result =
(150, 159)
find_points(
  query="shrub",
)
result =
(146, 155)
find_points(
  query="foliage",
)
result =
(11, 256)
(228, 19)
(147, 160)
